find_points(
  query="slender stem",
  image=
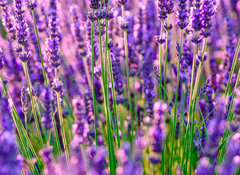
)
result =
(25, 117)
(190, 100)
(107, 53)
(232, 68)
(93, 83)
(193, 74)
(114, 97)
(39, 47)
(165, 65)
(127, 71)
(160, 64)
(176, 104)
(229, 116)
(194, 99)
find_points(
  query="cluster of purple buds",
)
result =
(47, 117)
(2, 58)
(201, 57)
(117, 76)
(122, 2)
(94, 4)
(208, 9)
(31, 4)
(162, 10)
(53, 41)
(81, 126)
(237, 102)
(157, 131)
(104, 13)
(182, 14)
(24, 56)
(196, 20)
(81, 50)
(21, 24)
(5, 113)
(57, 85)
(147, 69)
(8, 20)
(24, 99)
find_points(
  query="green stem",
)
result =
(127, 71)
(39, 47)
(194, 99)
(114, 97)
(160, 64)
(232, 68)
(93, 84)
(165, 65)
(230, 115)
(107, 110)
(176, 104)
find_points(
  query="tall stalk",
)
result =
(107, 53)
(107, 110)
(176, 104)
(127, 71)
(194, 100)
(160, 63)
(165, 64)
(40, 49)
(114, 98)
(93, 82)
(190, 101)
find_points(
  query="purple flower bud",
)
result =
(31, 4)
(47, 117)
(8, 20)
(94, 4)
(2, 58)
(24, 56)
(21, 24)
(122, 2)
(24, 99)
(208, 9)
(182, 14)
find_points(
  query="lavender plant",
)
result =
(121, 87)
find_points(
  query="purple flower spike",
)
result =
(47, 117)
(182, 14)
(208, 9)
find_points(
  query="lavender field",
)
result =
(120, 87)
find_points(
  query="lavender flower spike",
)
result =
(182, 14)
